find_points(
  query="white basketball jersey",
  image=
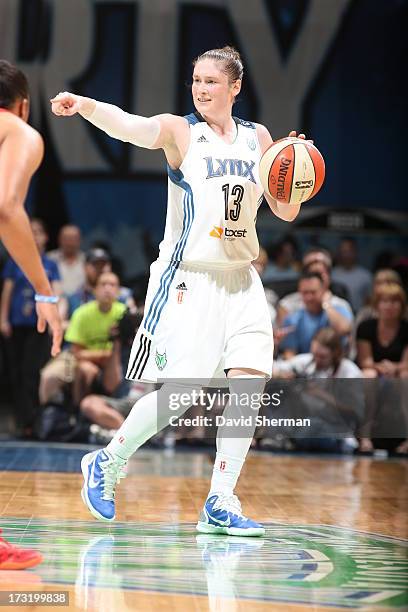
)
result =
(213, 199)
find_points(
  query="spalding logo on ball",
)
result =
(292, 170)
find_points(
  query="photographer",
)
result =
(334, 406)
(107, 413)
(89, 334)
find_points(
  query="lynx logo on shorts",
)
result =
(161, 360)
(216, 232)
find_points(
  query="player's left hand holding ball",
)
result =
(293, 134)
(292, 169)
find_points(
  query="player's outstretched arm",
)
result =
(287, 212)
(148, 132)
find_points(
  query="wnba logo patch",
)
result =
(223, 465)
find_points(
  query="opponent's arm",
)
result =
(148, 132)
(286, 212)
(21, 153)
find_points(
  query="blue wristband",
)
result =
(47, 299)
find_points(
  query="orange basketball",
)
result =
(292, 170)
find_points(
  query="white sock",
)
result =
(225, 474)
(232, 451)
(146, 419)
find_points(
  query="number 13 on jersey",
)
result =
(238, 193)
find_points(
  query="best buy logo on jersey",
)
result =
(239, 233)
(229, 234)
(216, 232)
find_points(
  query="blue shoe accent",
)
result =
(223, 514)
(101, 474)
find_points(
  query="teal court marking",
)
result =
(316, 565)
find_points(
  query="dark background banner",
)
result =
(332, 68)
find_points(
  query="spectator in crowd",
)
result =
(28, 349)
(382, 352)
(260, 264)
(386, 276)
(97, 260)
(356, 278)
(69, 259)
(325, 360)
(318, 254)
(335, 409)
(115, 261)
(284, 265)
(382, 342)
(315, 313)
(316, 259)
(91, 346)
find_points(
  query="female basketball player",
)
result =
(205, 307)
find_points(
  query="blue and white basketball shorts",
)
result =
(198, 323)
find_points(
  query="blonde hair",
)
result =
(391, 291)
(229, 57)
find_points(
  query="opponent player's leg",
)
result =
(103, 469)
(222, 512)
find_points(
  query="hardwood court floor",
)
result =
(316, 554)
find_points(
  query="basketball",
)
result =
(292, 170)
